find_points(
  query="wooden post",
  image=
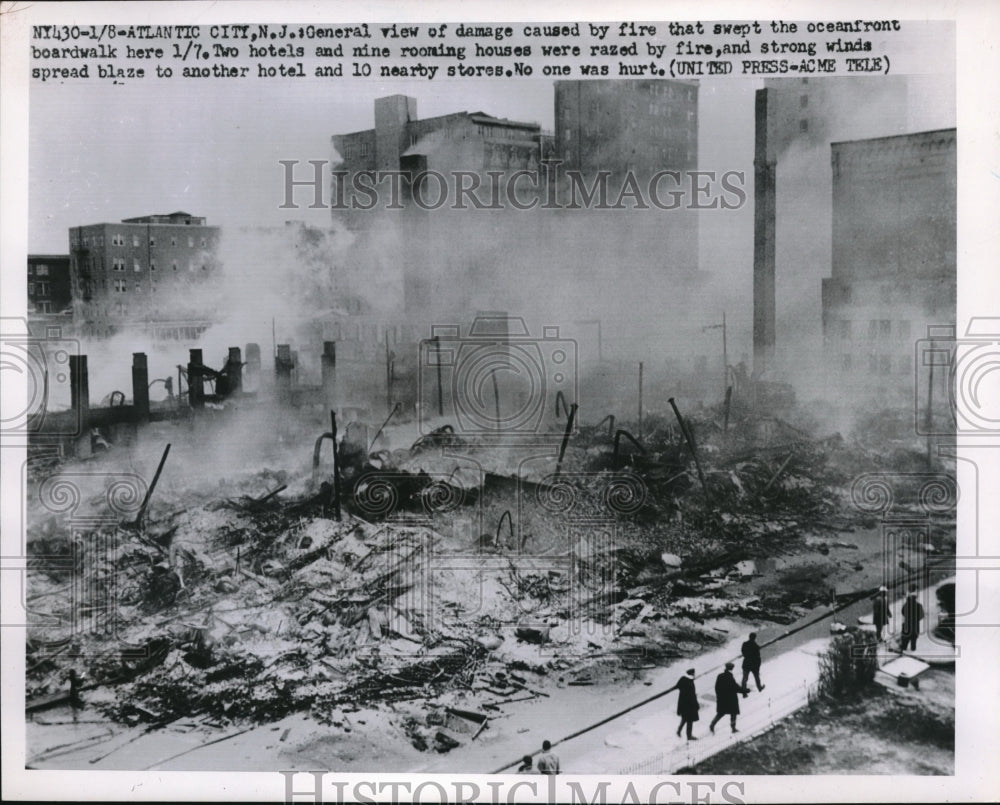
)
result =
(196, 381)
(336, 466)
(283, 373)
(234, 370)
(140, 387)
(640, 399)
(437, 356)
(328, 367)
(79, 390)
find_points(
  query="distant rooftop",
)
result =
(179, 217)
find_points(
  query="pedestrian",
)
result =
(687, 703)
(913, 613)
(727, 700)
(881, 611)
(751, 662)
(526, 766)
(548, 763)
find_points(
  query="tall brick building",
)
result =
(122, 273)
(894, 265)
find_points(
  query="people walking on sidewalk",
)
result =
(751, 662)
(881, 611)
(727, 698)
(687, 703)
(548, 763)
(913, 613)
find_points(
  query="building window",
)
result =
(138, 287)
(173, 265)
(42, 270)
(568, 134)
(120, 285)
(44, 307)
(136, 266)
(190, 242)
(365, 149)
(803, 125)
(135, 241)
(118, 263)
(31, 289)
(173, 240)
(152, 265)
(41, 288)
(152, 240)
(803, 101)
(203, 243)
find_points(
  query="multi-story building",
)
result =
(462, 141)
(638, 126)
(48, 283)
(796, 121)
(139, 270)
(894, 267)
(49, 293)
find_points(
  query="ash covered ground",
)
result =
(462, 575)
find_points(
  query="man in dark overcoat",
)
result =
(727, 698)
(687, 703)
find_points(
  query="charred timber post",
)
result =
(496, 396)
(690, 442)
(152, 486)
(79, 389)
(140, 386)
(561, 403)
(390, 358)
(328, 367)
(318, 446)
(777, 473)
(565, 438)
(392, 413)
(283, 373)
(630, 437)
(610, 419)
(727, 402)
(640, 399)
(196, 381)
(437, 360)
(510, 528)
(336, 466)
(234, 370)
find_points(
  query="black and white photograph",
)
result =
(451, 403)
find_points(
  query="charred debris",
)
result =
(445, 579)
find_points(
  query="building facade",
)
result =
(637, 126)
(796, 121)
(139, 270)
(894, 261)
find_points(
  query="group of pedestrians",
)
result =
(727, 691)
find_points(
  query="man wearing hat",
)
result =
(913, 613)
(687, 703)
(881, 611)
(727, 698)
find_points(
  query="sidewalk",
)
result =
(645, 741)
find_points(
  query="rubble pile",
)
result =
(456, 574)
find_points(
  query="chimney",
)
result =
(763, 242)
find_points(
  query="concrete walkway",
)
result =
(645, 740)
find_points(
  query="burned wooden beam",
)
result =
(690, 442)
